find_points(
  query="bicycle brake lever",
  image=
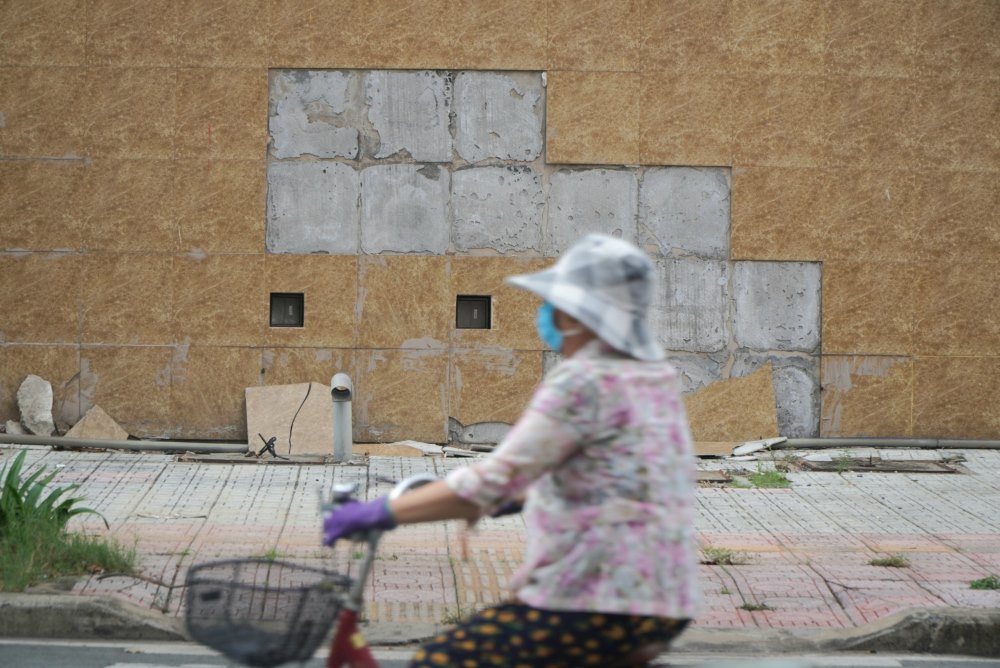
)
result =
(340, 493)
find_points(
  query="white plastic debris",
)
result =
(751, 447)
(426, 448)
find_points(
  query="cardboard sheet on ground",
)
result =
(299, 418)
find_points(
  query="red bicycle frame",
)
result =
(349, 647)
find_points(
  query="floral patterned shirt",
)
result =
(604, 453)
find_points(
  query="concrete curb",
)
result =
(83, 617)
(959, 631)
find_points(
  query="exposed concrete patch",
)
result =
(306, 114)
(405, 209)
(68, 411)
(591, 200)
(777, 305)
(796, 389)
(312, 207)
(549, 360)
(685, 211)
(498, 208)
(498, 116)
(697, 371)
(409, 111)
(691, 310)
(479, 432)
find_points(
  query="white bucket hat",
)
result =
(607, 284)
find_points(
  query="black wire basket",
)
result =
(261, 612)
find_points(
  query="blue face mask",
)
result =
(546, 325)
(547, 330)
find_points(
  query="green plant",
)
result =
(725, 591)
(843, 462)
(721, 556)
(988, 582)
(451, 617)
(272, 554)
(769, 479)
(24, 501)
(755, 607)
(890, 561)
(358, 554)
(34, 543)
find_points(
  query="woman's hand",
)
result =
(357, 516)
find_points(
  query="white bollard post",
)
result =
(341, 389)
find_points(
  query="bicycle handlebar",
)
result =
(414, 481)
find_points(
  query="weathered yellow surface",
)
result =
(736, 409)
(867, 396)
(133, 189)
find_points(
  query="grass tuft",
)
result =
(769, 479)
(721, 556)
(891, 561)
(755, 607)
(988, 582)
(272, 554)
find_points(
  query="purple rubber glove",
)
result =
(356, 516)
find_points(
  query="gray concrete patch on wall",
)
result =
(442, 163)
(498, 208)
(685, 211)
(582, 201)
(698, 370)
(691, 311)
(480, 432)
(498, 116)
(410, 112)
(796, 389)
(549, 360)
(405, 209)
(307, 117)
(777, 305)
(312, 207)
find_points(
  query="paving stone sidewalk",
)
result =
(803, 552)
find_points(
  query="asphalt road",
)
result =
(77, 654)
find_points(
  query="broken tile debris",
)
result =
(97, 424)
(34, 401)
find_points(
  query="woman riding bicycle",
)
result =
(603, 455)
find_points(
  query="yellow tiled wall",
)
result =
(862, 133)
